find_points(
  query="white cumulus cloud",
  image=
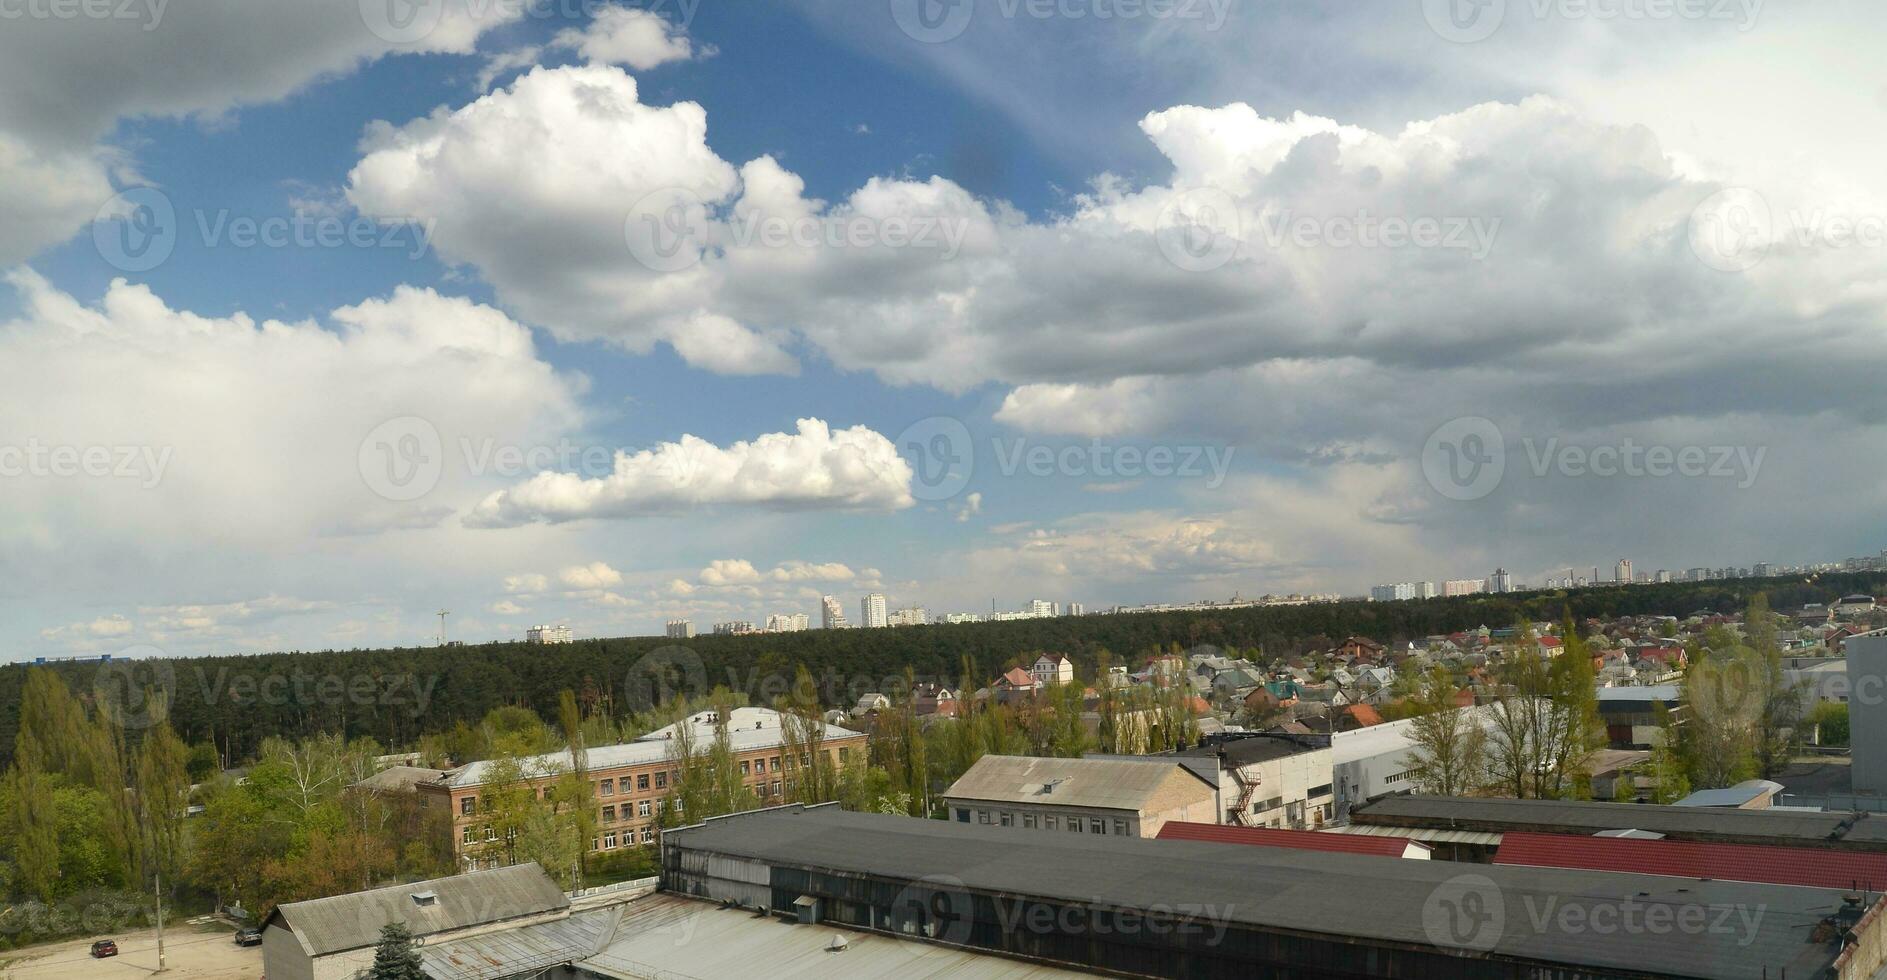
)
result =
(814, 467)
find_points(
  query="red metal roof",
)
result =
(1302, 840)
(1809, 866)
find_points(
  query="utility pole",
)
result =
(157, 888)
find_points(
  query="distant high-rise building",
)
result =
(1075, 609)
(1760, 569)
(1621, 573)
(1501, 581)
(1427, 590)
(548, 634)
(681, 629)
(872, 613)
(831, 614)
(1393, 593)
(1463, 586)
(1041, 608)
(1664, 575)
(910, 616)
(738, 627)
(786, 622)
(962, 617)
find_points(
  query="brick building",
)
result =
(631, 780)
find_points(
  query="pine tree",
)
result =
(397, 955)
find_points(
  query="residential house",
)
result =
(1052, 670)
(1015, 685)
(935, 699)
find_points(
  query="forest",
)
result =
(393, 696)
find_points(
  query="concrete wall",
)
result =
(1182, 797)
(1867, 712)
(282, 955)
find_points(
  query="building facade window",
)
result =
(963, 815)
(1007, 819)
(1028, 821)
(642, 782)
(1097, 825)
(609, 814)
(642, 808)
(609, 787)
(467, 805)
(661, 780)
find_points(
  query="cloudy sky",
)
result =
(316, 319)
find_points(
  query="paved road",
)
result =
(190, 952)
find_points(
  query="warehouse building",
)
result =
(1483, 821)
(334, 938)
(1202, 909)
(1099, 797)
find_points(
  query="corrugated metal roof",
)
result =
(344, 922)
(1098, 783)
(521, 951)
(669, 936)
(1694, 859)
(1302, 840)
(1346, 897)
(1426, 835)
(1838, 830)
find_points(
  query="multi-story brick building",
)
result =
(630, 781)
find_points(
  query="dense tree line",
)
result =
(396, 695)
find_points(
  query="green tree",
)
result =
(35, 830)
(397, 955)
(1832, 719)
(1449, 754)
(163, 791)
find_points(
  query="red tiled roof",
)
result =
(1808, 866)
(1364, 714)
(1300, 840)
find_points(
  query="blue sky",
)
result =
(1296, 378)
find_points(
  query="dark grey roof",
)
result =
(344, 922)
(1346, 897)
(1258, 747)
(1844, 830)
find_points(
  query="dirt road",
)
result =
(192, 952)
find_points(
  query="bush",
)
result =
(90, 913)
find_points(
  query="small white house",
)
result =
(1053, 669)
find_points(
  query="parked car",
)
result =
(104, 948)
(248, 937)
